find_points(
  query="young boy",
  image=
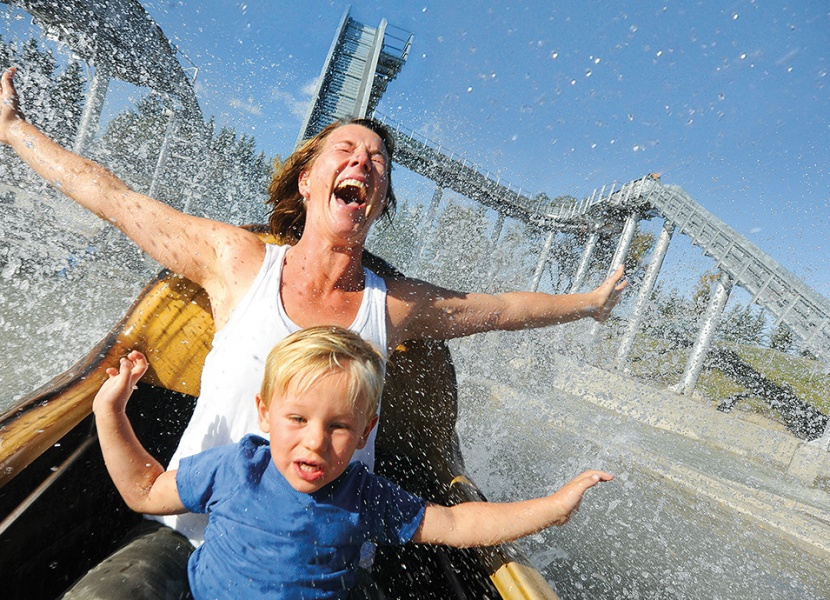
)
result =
(288, 518)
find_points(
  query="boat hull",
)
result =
(62, 515)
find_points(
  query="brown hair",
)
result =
(287, 220)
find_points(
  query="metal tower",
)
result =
(361, 62)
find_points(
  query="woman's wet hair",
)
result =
(287, 220)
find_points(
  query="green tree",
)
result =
(670, 316)
(132, 140)
(216, 174)
(782, 338)
(7, 54)
(740, 324)
(36, 84)
(513, 259)
(394, 239)
(455, 259)
(703, 291)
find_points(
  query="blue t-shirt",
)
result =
(265, 539)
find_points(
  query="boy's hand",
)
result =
(9, 104)
(116, 390)
(570, 495)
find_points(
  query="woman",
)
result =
(325, 200)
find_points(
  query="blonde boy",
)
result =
(287, 517)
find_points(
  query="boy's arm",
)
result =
(486, 524)
(140, 479)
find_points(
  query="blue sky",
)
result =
(730, 100)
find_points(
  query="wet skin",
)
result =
(314, 431)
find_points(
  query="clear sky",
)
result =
(730, 100)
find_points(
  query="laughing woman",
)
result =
(324, 202)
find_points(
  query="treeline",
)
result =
(215, 173)
(459, 251)
(676, 319)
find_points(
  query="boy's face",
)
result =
(314, 433)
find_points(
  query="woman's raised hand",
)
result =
(608, 294)
(9, 104)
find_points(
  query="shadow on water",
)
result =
(683, 519)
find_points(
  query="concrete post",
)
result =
(494, 240)
(164, 152)
(620, 254)
(364, 94)
(429, 224)
(694, 365)
(584, 262)
(494, 237)
(652, 272)
(543, 258)
(93, 106)
(624, 245)
(558, 336)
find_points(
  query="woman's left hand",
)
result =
(608, 294)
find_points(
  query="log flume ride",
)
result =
(60, 514)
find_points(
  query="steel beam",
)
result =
(644, 296)
(543, 258)
(694, 364)
(95, 97)
(164, 151)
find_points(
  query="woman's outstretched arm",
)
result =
(188, 245)
(421, 310)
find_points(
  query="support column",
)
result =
(584, 262)
(429, 223)
(624, 245)
(494, 237)
(644, 296)
(164, 151)
(620, 254)
(93, 106)
(543, 258)
(494, 240)
(364, 94)
(694, 365)
(558, 337)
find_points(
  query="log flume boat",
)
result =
(60, 514)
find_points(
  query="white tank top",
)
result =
(234, 367)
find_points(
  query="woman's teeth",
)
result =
(351, 190)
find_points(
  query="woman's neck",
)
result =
(326, 266)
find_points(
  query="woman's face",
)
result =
(345, 187)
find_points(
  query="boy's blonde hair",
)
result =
(305, 356)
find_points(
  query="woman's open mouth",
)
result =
(351, 191)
